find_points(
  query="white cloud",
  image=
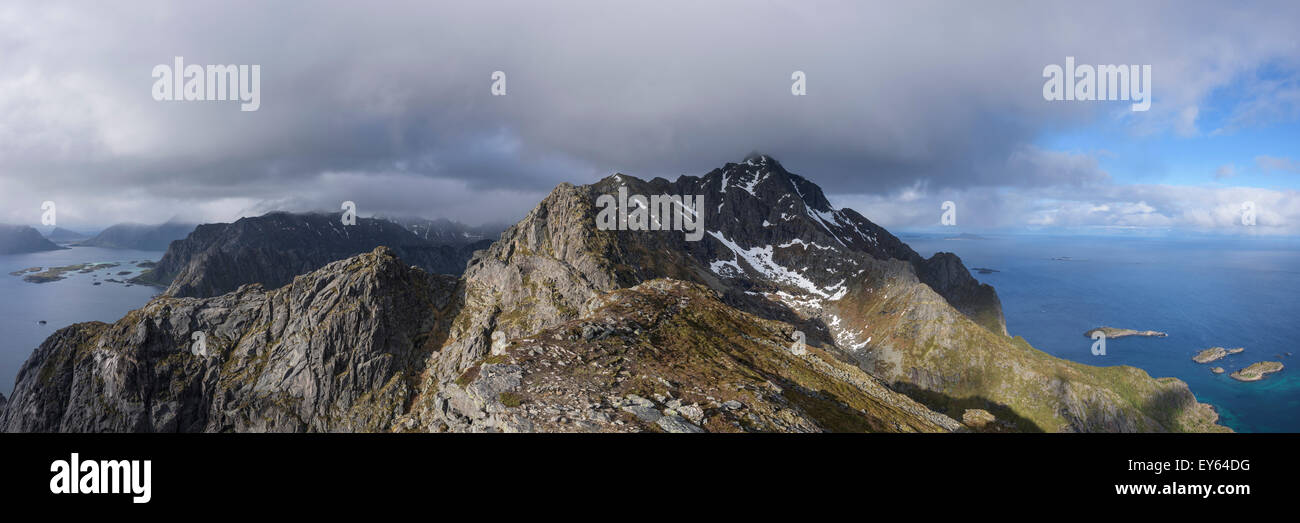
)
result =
(912, 101)
(1151, 207)
(1270, 164)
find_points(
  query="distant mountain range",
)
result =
(966, 236)
(139, 236)
(274, 248)
(788, 315)
(442, 231)
(61, 235)
(16, 239)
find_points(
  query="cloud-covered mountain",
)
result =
(442, 231)
(61, 235)
(139, 236)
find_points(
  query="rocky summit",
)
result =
(788, 315)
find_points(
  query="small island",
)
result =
(985, 270)
(57, 273)
(1217, 370)
(1257, 371)
(1215, 353)
(1112, 333)
(25, 271)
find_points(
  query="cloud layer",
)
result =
(389, 105)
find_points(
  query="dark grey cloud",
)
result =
(388, 104)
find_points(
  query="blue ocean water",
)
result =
(1204, 292)
(61, 303)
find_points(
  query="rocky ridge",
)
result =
(641, 361)
(338, 349)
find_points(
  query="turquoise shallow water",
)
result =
(1204, 292)
(73, 300)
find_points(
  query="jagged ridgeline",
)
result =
(788, 315)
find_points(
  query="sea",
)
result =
(1203, 291)
(76, 299)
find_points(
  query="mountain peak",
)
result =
(758, 158)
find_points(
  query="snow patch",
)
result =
(760, 258)
(799, 241)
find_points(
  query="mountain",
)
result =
(139, 236)
(335, 350)
(562, 326)
(15, 239)
(776, 249)
(274, 248)
(61, 235)
(442, 231)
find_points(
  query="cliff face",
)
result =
(562, 326)
(336, 350)
(272, 249)
(15, 239)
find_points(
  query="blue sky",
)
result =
(1222, 136)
